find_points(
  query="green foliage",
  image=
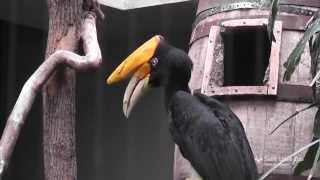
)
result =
(315, 163)
(314, 44)
(272, 19)
(291, 116)
(312, 156)
(311, 35)
(294, 57)
(308, 159)
(316, 125)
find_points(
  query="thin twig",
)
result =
(33, 85)
(291, 116)
(287, 158)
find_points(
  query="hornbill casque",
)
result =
(207, 132)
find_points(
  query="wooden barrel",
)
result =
(230, 52)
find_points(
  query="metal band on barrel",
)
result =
(223, 8)
(296, 18)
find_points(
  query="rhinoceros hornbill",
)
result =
(207, 132)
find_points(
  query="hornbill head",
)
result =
(155, 63)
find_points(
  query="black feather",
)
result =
(211, 137)
(207, 132)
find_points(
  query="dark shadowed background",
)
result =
(108, 145)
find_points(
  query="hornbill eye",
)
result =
(153, 62)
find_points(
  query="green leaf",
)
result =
(307, 162)
(272, 19)
(316, 125)
(312, 154)
(315, 163)
(291, 116)
(314, 44)
(294, 57)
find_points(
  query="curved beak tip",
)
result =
(125, 109)
(127, 115)
(108, 81)
(111, 79)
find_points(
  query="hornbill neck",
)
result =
(172, 88)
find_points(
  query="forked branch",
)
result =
(91, 60)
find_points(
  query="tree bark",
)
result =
(59, 98)
(59, 138)
(59, 149)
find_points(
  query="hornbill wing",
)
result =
(209, 138)
(235, 125)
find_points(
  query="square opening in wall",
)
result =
(246, 55)
(241, 60)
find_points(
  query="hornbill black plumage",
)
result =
(207, 132)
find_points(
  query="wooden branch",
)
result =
(91, 60)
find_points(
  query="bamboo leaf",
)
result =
(291, 116)
(312, 156)
(272, 19)
(308, 159)
(316, 125)
(314, 44)
(295, 55)
(315, 162)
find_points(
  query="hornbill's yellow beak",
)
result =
(135, 65)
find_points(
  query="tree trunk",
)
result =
(69, 22)
(59, 143)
